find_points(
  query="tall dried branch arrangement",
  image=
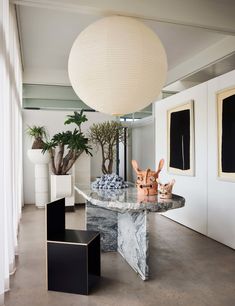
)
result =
(106, 135)
(66, 147)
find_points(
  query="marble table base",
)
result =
(106, 222)
(126, 233)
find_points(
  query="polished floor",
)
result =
(187, 269)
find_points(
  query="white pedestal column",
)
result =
(40, 175)
(62, 186)
(41, 185)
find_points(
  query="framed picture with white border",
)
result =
(180, 139)
(226, 133)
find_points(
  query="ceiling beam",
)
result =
(217, 16)
(201, 60)
(46, 77)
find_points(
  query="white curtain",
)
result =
(10, 143)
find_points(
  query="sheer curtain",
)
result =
(10, 143)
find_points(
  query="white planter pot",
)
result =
(40, 161)
(62, 186)
(37, 157)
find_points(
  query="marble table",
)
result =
(121, 216)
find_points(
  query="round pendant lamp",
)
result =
(117, 65)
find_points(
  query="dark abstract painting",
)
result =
(180, 139)
(226, 128)
(228, 134)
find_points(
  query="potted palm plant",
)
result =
(64, 149)
(38, 133)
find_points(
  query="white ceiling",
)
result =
(183, 42)
(47, 36)
(195, 34)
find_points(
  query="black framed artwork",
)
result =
(180, 139)
(226, 134)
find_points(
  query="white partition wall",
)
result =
(221, 194)
(193, 188)
(210, 202)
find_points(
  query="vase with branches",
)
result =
(106, 135)
(66, 147)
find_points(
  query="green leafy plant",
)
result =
(37, 133)
(65, 147)
(106, 135)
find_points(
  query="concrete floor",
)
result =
(186, 269)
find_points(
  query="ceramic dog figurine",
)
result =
(147, 180)
(165, 190)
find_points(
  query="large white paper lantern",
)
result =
(117, 65)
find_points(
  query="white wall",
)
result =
(54, 122)
(221, 194)
(142, 143)
(210, 202)
(194, 189)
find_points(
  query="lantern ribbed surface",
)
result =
(117, 65)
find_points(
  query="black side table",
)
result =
(73, 256)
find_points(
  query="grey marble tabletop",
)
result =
(128, 200)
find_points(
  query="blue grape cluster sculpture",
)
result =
(109, 181)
